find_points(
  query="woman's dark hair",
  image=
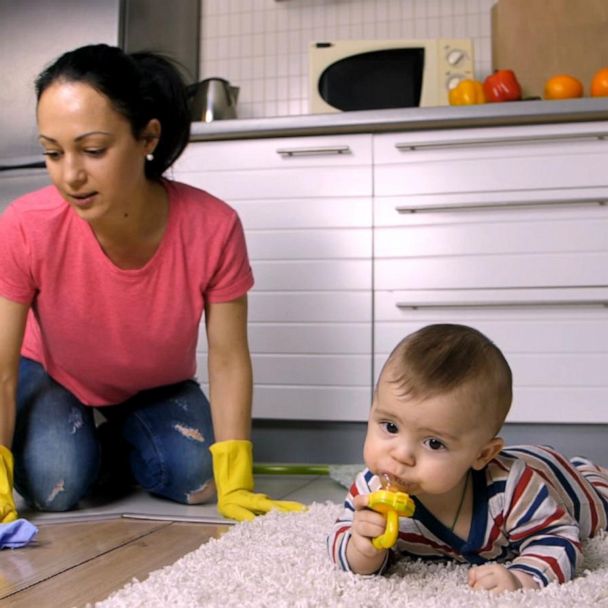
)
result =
(140, 86)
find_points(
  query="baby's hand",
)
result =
(497, 579)
(361, 554)
(367, 524)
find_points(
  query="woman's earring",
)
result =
(150, 156)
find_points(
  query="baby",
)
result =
(517, 514)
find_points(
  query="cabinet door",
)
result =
(506, 230)
(555, 343)
(306, 205)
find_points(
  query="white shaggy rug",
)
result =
(280, 560)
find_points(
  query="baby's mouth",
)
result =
(394, 484)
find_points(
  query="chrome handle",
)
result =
(498, 205)
(318, 151)
(408, 147)
(504, 304)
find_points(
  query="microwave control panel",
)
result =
(455, 59)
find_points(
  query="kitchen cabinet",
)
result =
(505, 229)
(306, 206)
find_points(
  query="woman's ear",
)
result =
(150, 135)
(487, 452)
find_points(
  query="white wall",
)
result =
(262, 45)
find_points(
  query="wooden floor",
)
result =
(72, 564)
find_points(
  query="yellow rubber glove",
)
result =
(233, 473)
(8, 510)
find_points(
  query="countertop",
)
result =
(408, 119)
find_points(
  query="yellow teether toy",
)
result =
(393, 503)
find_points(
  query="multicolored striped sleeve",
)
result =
(539, 528)
(338, 538)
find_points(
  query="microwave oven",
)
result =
(378, 74)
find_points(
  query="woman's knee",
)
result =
(177, 468)
(57, 455)
(55, 497)
(170, 431)
(53, 483)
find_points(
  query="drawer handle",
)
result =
(496, 141)
(503, 304)
(502, 205)
(318, 151)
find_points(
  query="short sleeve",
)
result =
(232, 277)
(16, 280)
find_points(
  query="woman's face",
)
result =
(91, 154)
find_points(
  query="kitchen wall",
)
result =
(262, 45)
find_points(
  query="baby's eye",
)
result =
(435, 444)
(390, 427)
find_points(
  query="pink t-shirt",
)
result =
(106, 333)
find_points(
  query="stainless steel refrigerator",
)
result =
(34, 32)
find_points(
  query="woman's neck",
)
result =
(131, 236)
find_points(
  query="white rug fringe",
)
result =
(281, 561)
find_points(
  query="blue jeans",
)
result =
(159, 439)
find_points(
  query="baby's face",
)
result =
(427, 444)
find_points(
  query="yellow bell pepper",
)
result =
(467, 92)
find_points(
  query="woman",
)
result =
(104, 277)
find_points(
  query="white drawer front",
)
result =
(486, 160)
(549, 270)
(482, 174)
(276, 153)
(488, 206)
(310, 275)
(303, 213)
(344, 403)
(339, 243)
(235, 185)
(304, 370)
(558, 354)
(345, 338)
(309, 338)
(520, 232)
(254, 169)
(525, 248)
(311, 307)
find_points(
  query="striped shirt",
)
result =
(532, 507)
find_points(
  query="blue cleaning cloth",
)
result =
(17, 534)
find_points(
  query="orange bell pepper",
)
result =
(467, 92)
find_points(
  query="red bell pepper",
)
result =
(502, 85)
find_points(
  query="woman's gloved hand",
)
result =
(8, 510)
(233, 473)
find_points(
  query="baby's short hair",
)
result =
(443, 357)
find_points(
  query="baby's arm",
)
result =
(362, 556)
(496, 578)
(539, 528)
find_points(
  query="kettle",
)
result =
(213, 99)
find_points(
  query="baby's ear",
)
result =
(487, 452)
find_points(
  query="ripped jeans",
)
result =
(158, 439)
